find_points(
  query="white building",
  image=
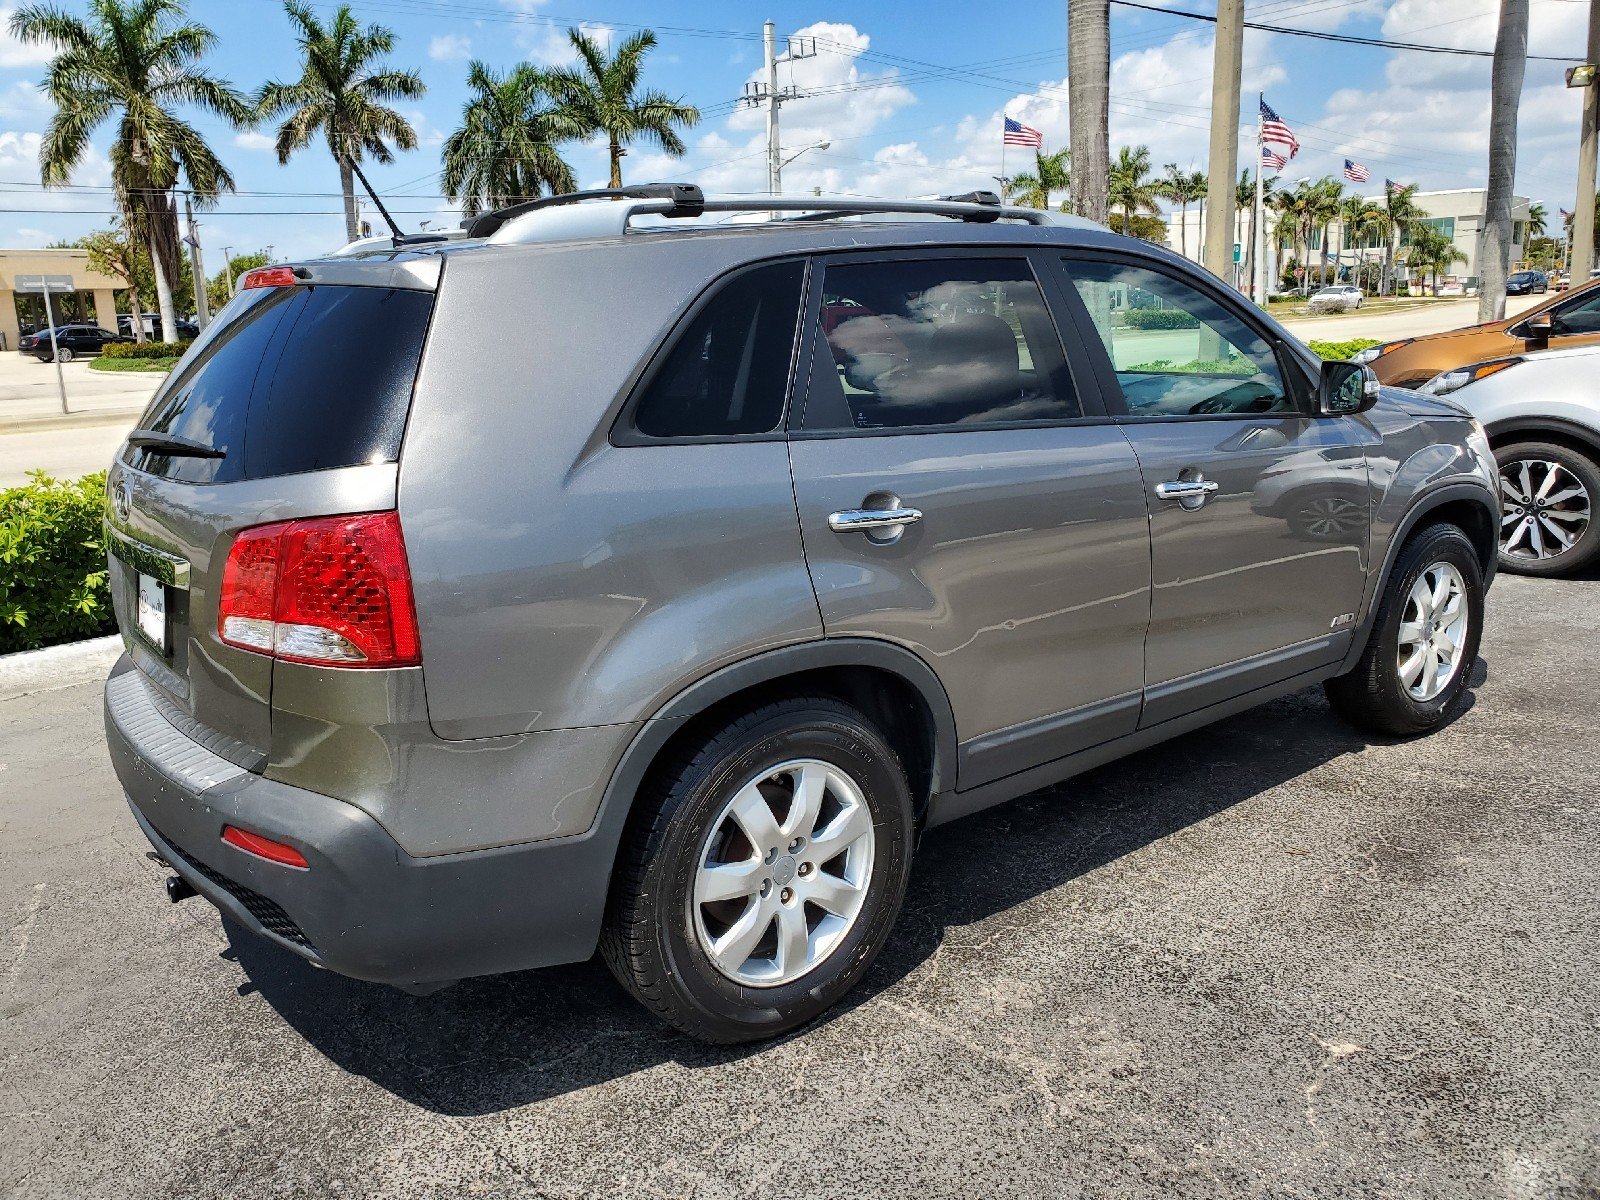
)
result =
(1459, 214)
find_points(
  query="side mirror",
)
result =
(1540, 327)
(1346, 388)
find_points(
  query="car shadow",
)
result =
(500, 1042)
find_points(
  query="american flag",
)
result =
(1018, 134)
(1355, 172)
(1390, 185)
(1273, 129)
(1271, 158)
(1565, 216)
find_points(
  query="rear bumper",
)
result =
(362, 907)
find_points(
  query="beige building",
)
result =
(90, 301)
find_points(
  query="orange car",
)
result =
(1561, 320)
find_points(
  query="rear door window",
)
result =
(301, 379)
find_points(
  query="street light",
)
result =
(814, 146)
(1582, 76)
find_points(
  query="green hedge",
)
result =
(1159, 318)
(1341, 351)
(145, 349)
(52, 562)
(152, 366)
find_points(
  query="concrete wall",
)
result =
(74, 263)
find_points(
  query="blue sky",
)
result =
(909, 98)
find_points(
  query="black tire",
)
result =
(1587, 545)
(650, 939)
(1372, 696)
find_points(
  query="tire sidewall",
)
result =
(821, 733)
(1443, 544)
(1588, 472)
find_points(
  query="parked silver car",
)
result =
(1342, 297)
(1542, 412)
(666, 623)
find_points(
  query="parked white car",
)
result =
(1542, 414)
(1339, 297)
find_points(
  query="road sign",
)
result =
(38, 283)
(1237, 246)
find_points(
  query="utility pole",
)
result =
(1583, 215)
(1088, 104)
(197, 265)
(770, 96)
(1227, 61)
(227, 259)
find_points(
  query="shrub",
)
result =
(1341, 351)
(149, 365)
(144, 349)
(52, 562)
(1159, 318)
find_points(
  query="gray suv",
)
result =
(616, 575)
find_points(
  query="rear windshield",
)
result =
(298, 379)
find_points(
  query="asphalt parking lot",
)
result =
(1271, 958)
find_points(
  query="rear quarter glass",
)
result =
(301, 379)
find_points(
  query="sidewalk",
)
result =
(29, 399)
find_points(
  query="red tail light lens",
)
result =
(254, 843)
(268, 277)
(331, 591)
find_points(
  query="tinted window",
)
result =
(728, 372)
(300, 379)
(1176, 351)
(1580, 315)
(919, 343)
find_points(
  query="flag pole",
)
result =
(1258, 285)
(1003, 188)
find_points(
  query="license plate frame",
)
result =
(150, 611)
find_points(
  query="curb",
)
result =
(109, 416)
(57, 666)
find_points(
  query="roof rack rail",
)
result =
(687, 201)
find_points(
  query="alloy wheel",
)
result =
(784, 873)
(1546, 509)
(1433, 631)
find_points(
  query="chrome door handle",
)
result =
(1186, 489)
(861, 520)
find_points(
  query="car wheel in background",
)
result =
(64, 354)
(1548, 493)
(762, 870)
(1424, 639)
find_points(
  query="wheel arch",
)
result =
(1562, 432)
(1470, 507)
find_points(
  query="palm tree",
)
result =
(1326, 196)
(1296, 210)
(1088, 105)
(1131, 188)
(137, 61)
(1538, 220)
(602, 96)
(1505, 91)
(342, 92)
(1051, 173)
(1355, 225)
(1183, 188)
(1244, 197)
(1430, 252)
(505, 150)
(1399, 212)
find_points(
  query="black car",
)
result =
(187, 330)
(72, 341)
(1525, 283)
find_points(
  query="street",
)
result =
(1273, 957)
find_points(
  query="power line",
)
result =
(1348, 39)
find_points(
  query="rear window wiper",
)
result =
(168, 443)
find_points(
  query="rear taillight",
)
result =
(268, 277)
(331, 591)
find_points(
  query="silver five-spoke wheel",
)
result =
(1433, 631)
(783, 875)
(1546, 509)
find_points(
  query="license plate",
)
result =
(153, 611)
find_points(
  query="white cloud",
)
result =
(21, 102)
(251, 140)
(549, 46)
(450, 47)
(19, 162)
(14, 53)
